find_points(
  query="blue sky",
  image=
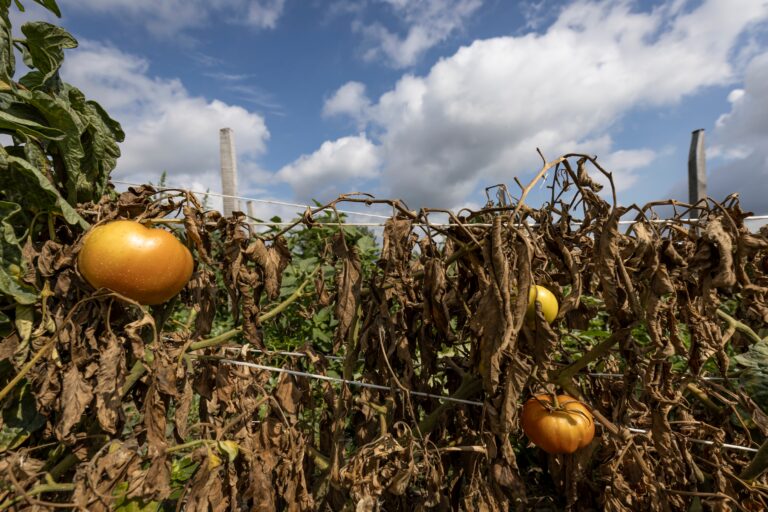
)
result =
(427, 100)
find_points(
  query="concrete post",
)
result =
(228, 170)
(697, 170)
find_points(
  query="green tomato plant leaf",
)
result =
(20, 420)
(10, 256)
(7, 58)
(38, 190)
(51, 6)
(45, 45)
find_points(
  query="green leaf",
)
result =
(20, 420)
(69, 151)
(7, 58)
(121, 504)
(183, 469)
(10, 257)
(5, 326)
(99, 138)
(46, 44)
(12, 123)
(50, 5)
(38, 190)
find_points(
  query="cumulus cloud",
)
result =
(170, 17)
(480, 114)
(167, 128)
(350, 99)
(428, 23)
(741, 140)
(346, 162)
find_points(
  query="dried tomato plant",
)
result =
(109, 405)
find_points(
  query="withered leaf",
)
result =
(76, 396)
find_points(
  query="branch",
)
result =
(759, 463)
(467, 389)
(139, 369)
(739, 326)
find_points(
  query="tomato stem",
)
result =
(139, 369)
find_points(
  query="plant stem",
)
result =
(739, 326)
(27, 367)
(321, 461)
(38, 489)
(566, 374)
(467, 389)
(759, 463)
(185, 446)
(63, 465)
(704, 398)
(139, 369)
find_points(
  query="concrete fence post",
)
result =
(228, 170)
(697, 170)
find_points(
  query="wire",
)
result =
(288, 353)
(374, 215)
(703, 441)
(296, 373)
(379, 387)
(254, 199)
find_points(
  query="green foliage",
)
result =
(308, 321)
(752, 371)
(63, 147)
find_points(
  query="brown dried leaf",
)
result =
(76, 395)
(109, 382)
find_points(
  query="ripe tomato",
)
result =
(148, 265)
(565, 429)
(548, 303)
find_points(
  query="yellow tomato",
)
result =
(148, 265)
(548, 303)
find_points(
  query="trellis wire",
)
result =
(337, 380)
(288, 353)
(255, 200)
(420, 394)
(373, 215)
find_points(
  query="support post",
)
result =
(249, 207)
(697, 171)
(228, 170)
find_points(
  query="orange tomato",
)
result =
(565, 429)
(148, 265)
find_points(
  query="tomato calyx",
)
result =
(555, 405)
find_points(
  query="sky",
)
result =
(428, 101)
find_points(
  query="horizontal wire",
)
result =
(338, 380)
(254, 199)
(703, 441)
(378, 216)
(379, 387)
(288, 353)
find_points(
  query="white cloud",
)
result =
(480, 114)
(340, 163)
(170, 17)
(350, 99)
(428, 22)
(623, 164)
(167, 129)
(741, 138)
